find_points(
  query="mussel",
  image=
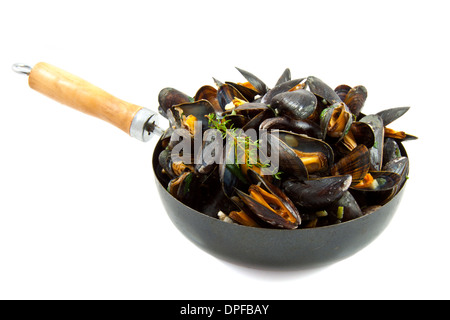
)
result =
(317, 193)
(298, 105)
(322, 90)
(356, 164)
(188, 115)
(316, 155)
(344, 209)
(377, 188)
(285, 77)
(355, 99)
(228, 97)
(390, 115)
(335, 121)
(257, 83)
(359, 133)
(270, 204)
(342, 91)
(283, 87)
(180, 187)
(399, 166)
(169, 97)
(209, 93)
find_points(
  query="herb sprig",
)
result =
(247, 145)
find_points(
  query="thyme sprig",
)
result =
(245, 143)
(219, 124)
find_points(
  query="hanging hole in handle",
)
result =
(22, 68)
(152, 128)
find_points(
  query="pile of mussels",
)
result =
(334, 162)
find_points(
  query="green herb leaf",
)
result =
(340, 212)
(381, 181)
(187, 183)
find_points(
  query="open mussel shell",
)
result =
(249, 109)
(243, 215)
(300, 156)
(290, 217)
(359, 133)
(290, 164)
(180, 187)
(316, 155)
(247, 92)
(386, 187)
(226, 94)
(199, 109)
(363, 133)
(355, 99)
(335, 122)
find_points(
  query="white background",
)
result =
(80, 217)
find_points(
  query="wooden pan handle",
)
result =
(79, 94)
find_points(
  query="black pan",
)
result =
(248, 246)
